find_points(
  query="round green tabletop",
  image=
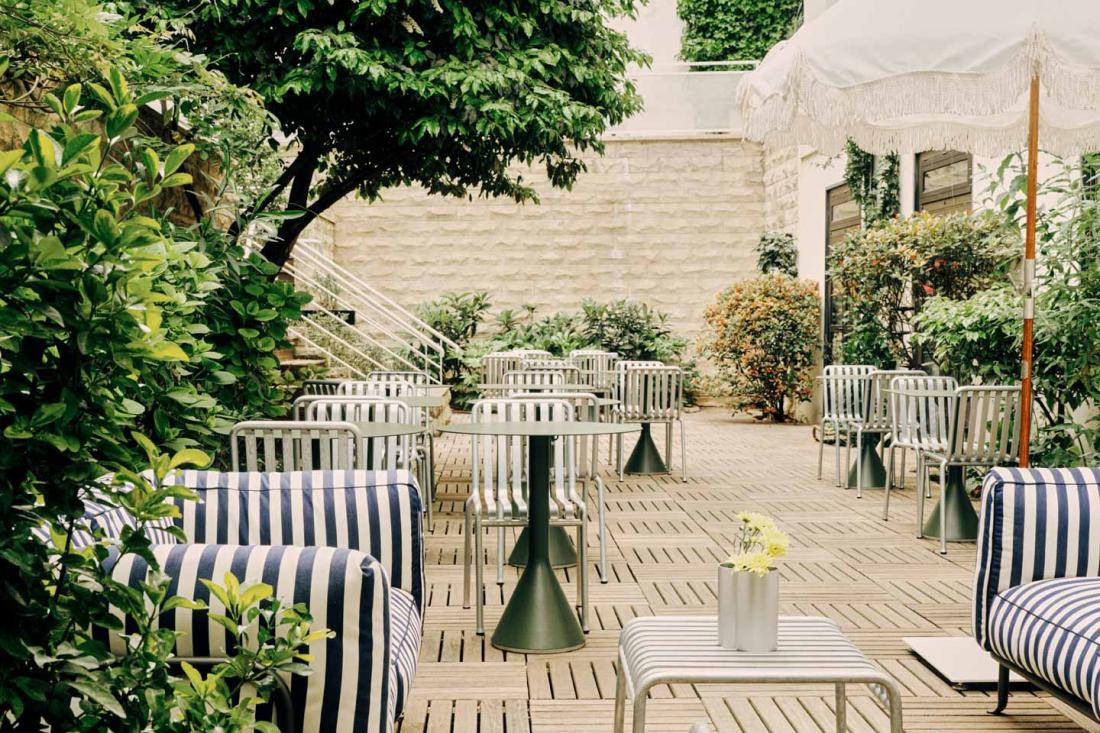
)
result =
(538, 619)
(430, 401)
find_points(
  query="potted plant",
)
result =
(748, 586)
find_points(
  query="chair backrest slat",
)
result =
(377, 388)
(649, 391)
(923, 411)
(278, 445)
(597, 368)
(986, 430)
(384, 453)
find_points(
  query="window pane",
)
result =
(956, 174)
(846, 210)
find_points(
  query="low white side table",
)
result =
(661, 650)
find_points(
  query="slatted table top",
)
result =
(685, 649)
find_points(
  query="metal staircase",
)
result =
(353, 327)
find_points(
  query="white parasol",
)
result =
(981, 76)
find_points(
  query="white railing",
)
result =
(686, 100)
(385, 334)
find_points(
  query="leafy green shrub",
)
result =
(761, 333)
(735, 30)
(632, 330)
(102, 334)
(979, 338)
(777, 252)
(885, 273)
(559, 333)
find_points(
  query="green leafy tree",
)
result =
(735, 30)
(445, 94)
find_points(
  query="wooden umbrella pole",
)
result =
(1029, 272)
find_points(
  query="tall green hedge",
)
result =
(728, 30)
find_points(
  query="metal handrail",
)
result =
(376, 299)
(328, 354)
(366, 336)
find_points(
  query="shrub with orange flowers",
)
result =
(761, 334)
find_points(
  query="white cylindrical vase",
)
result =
(756, 614)
(727, 607)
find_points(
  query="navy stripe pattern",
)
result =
(407, 633)
(1051, 628)
(1036, 524)
(350, 689)
(377, 512)
(1037, 582)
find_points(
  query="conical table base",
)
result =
(538, 617)
(562, 552)
(962, 520)
(874, 473)
(645, 459)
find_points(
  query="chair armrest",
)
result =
(377, 512)
(346, 591)
(1035, 524)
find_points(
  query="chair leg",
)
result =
(889, 482)
(921, 478)
(467, 560)
(1002, 691)
(500, 555)
(903, 452)
(668, 446)
(582, 571)
(943, 508)
(602, 519)
(820, 450)
(620, 457)
(683, 452)
(425, 479)
(847, 458)
(836, 454)
(479, 574)
(859, 464)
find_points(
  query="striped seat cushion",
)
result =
(1051, 628)
(349, 689)
(377, 512)
(406, 633)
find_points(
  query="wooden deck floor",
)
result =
(665, 539)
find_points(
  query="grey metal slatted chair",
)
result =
(876, 419)
(648, 393)
(498, 496)
(282, 445)
(570, 372)
(597, 368)
(393, 452)
(586, 408)
(320, 386)
(843, 389)
(493, 368)
(520, 381)
(420, 380)
(921, 410)
(377, 388)
(985, 432)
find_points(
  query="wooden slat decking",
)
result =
(874, 578)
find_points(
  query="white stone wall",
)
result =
(781, 167)
(670, 222)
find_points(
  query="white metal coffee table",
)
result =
(662, 650)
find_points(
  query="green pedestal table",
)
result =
(962, 520)
(538, 617)
(874, 472)
(645, 459)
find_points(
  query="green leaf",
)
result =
(177, 157)
(190, 456)
(78, 145)
(118, 86)
(168, 351)
(100, 695)
(71, 98)
(120, 120)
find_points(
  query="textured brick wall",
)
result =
(668, 222)
(781, 189)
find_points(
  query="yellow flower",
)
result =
(775, 542)
(758, 522)
(759, 563)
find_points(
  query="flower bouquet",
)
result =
(748, 586)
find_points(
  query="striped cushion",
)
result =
(378, 512)
(1035, 524)
(1051, 628)
(406, 632)
(349, 690)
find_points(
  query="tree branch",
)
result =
(307, 157)
(278, 250)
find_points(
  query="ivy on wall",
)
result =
(878, 193)
(732, 30)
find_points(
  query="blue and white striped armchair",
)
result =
(348, 544)
(1037, 585)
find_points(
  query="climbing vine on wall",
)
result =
(878, 193)
(735, 30)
